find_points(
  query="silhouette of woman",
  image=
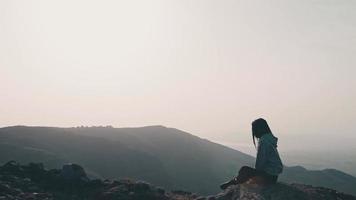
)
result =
(268, 163)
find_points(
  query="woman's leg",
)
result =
(245, 173)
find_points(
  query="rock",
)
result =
(200, 198)
(210, 198)
(73, 172)
(34, 182)
(6, 189)
(33, 188)
(140, 186)
(180, 192)
(36, 166)
(160, 190)
(12, 167)
(280, 191)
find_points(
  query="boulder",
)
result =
(280, 191)
(13, 167)
(73, 172)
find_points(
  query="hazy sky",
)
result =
(205, 66)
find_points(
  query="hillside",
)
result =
(33, 182)
(162, 156)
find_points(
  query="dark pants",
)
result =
(246, 173)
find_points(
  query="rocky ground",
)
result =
(34, 182)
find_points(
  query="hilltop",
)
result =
(167, 157)
(34, 182)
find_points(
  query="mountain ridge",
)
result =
(164, 156)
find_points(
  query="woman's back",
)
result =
(268, 158)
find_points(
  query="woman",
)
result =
(268, 163)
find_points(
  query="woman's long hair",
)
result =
(259, 128)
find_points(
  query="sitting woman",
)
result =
(268, 163)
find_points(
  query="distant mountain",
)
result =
(343, 160)
(163, 156)
(327, 178)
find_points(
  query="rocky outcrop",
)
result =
(34, 182)
(73, 172)
(279, 191)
